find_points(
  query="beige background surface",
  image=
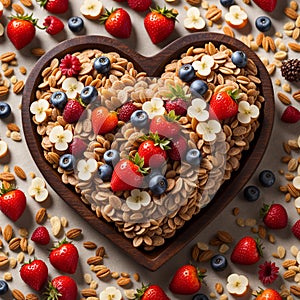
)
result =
(116, 260)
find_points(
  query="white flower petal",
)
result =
(146, 199)
(135, 193)
(243, 107)
(208, 60)
(68, 136)
(214, 126)
(31, 191)
(40, 117)
(92, 165)
(193, 12)
(244, 118)
(254, 111)
(41, 195)
(55, 133)
(132, 203)
(38, 182)
(81, 165)
(61, 145)
(209, 137)
(84, 175)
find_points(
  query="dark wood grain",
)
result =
(154, 66)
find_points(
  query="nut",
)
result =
(295, 290)
(7, 232)
(88, 293)
(89, 245)
(20, 172)
(224, 236)
(18, 295)
(74, 233)
(123, 281)
(40, 215)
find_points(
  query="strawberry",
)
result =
(35, 274)
(165, 125)
(128, 174)
(223, 105)
(55, 6)
(178, 101)
(12, 203)
(64, 257)
(139, 5)
(296, 229)
(41, 235)
(53, 25)
(151, 292)
(21, 30)
(62, 288)
(246, 252)
(186, 280)
(77, 147)
(274, 216)
(160, 23)
(72, 111)
(126, 111)
(153, 150)
(117, 22)
(268, 294)
(103, 121)
(178, 148)
(266, 5)
(290, 115)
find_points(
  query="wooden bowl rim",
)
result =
(251, 159)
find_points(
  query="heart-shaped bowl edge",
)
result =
(153, 66)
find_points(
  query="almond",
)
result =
(13, 127)
(26, 3)
(38, 52)
(20, 172)
(7, 232)
(228, 31)
(294, 46)
(3, 260)
(40, 215)
(205, 256)
(18, 87)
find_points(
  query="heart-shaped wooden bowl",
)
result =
(154, 66)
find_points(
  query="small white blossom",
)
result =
(208, 130)
(60, 138)
(193, 20)
(39, 109)
(37, 189)
(153, 108)
(237, 284)
(203, 67)
(198, 110)
(246, 112)
(236, 16)
(86, 168)
(72, 87)
(111, 293)
(138, 199)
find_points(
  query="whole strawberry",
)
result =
(139, 5)
(296, 229)
(267, 294)
(223, 105)
(117, 22)
(53, 25)
(21, 30)
(290, 115)
(274, 216)
(62, 288)
(186, 280)
(246, 252)
(35, 274)
(151, 292)
(64, 257)
(12, 203)
(41, 235)
(266, 5)
(160, 23)
(72, 111)
(55, 6)
(178, 148)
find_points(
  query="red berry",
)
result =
(296, 229)
(53, 25)
(139, 5)
(70, 65)
(55, 6)
(178, 148)
(290, 115)
(77, 147)
(72, 111)
(268, 272)
(274, 216)
(126, 111)
(178, 105)
(41, 235)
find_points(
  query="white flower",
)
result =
(91, 9)
(296, 182)
(72, 87)
(86, 168)
(193, 20)
(198, 110)
(60, 138)
(111, 293)
(237, 284)
(203, 67)
(138, 199)
(38, 109)
(208, 130)
(246, 112)
(37, 189)
(153, 108)
(236, 17)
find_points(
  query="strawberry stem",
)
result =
(168, 13)
(163, 143)
(28, 18)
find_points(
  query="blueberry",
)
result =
(266, 178)
(102, 64)
(218, 262)
(5, 110)
(198, 88)
(158, 184)
(193, 157)
(111, 157)
(239, 58)
(3, 287)
(200, 297)
(75, 24)
(59, 99)
(88, 94)
(263, 23)
(186, 73)
(227, 3)
(67, 162)
(139, 119)
(251, 193)
(105, 172)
